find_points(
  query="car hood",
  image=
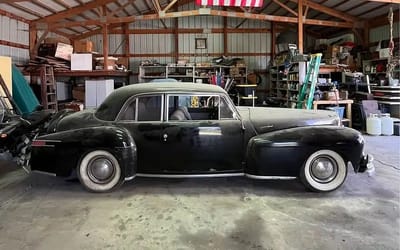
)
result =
(271, 119)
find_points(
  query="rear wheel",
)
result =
(99, 171)
(324, 171)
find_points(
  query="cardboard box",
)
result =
(110, 60)
(81, 62)
(83, 46)
(63, 51)
(78, 93)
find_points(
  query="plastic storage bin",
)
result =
(338, 110)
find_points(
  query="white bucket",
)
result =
(374, 125)
(386, 124)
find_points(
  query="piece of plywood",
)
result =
(6, 72)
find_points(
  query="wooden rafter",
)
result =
(285, 7)
(124, 10)
(265, 17)
(330, 11)
(385, 1)
(72, 11)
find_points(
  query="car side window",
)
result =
(144, 108)
(225, 111)
(198, 107)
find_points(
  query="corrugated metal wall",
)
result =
(383, 33)
(14, 31)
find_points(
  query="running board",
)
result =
(259, 177)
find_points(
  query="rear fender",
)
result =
(283, 152)
(61, 152)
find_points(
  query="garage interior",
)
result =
(261, 53)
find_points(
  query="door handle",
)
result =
(165, 137)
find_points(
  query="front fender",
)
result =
(283, 152)
(61, 152)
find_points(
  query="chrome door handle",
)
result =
(165, 137)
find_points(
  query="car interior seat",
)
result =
(181, 113)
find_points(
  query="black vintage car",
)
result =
(178, 130)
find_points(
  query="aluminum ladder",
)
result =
(306, 95)
(48, 88)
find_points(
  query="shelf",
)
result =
(386, 91)
(389, 103)
(180, 76)
(246, 85)
(386, 87)
(153, 77)
(248, 97)
(388, 97)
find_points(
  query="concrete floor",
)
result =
(44, 212)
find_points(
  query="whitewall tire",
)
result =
(323, 171)
(99, 171)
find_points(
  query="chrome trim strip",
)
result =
(45, 173)
(262, 177)
(46, 140)
(189, 175)
(44, 146)
(130, 178)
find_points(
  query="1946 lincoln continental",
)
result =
(185, 130)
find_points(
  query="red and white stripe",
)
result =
(236, 3)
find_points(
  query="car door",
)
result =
(207, 136)
(142, 116)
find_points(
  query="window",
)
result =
(143, 108)
(198, 107)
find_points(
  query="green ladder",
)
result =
(306, 95)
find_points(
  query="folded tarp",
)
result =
(22, 93)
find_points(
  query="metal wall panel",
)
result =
(17, 32)
(151, 43)
(383, 33)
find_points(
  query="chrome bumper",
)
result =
(367, 164)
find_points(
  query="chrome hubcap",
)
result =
(101, 170)
(323, 169)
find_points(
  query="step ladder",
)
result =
(6, 99)
(48, 88)
(306, 95)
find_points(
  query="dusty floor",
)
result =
(44, 212)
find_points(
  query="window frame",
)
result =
(220, 97)
(135, 98)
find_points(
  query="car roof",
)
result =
(111, 106)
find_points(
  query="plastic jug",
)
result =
(386, 124)
(374, 126)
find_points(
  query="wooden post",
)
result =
(273, 39)
(176, 40)
(32, 41)
(225, 36)
(105, 46)
(300, 26)
(127, 46)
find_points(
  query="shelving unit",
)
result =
(285, 85)
(387, 95)
(195, 74)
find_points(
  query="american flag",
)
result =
(236, 3)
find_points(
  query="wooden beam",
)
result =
(11, 1)
(127, 46)
(189, 31)
(105, 46)
(15, 45)
(383, 20)
(300, 26)
(285, 7)
(330, 11)
(385, 1)
(32, 41)
(11, 15)
(225, 35)
(72, 11)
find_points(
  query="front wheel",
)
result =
(99, 171)
(324, 171)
